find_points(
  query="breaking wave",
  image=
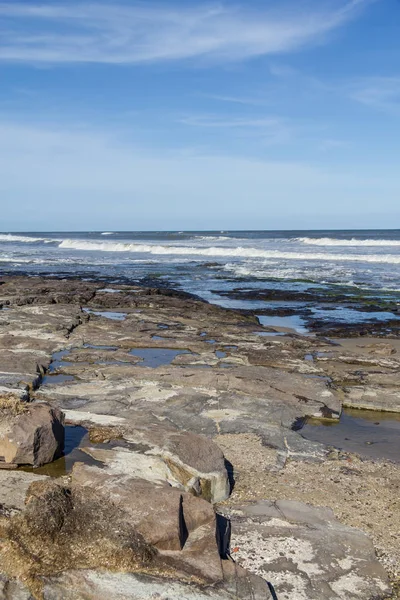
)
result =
(352, 242)
(9, 237)
(215, 251)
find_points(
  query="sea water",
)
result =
(206, 263)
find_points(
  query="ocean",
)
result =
(208, 262)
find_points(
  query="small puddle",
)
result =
(76, 437)
(220, 354)
(59, 355)
(114, 316)
(321, 377)
(270, 333)
(162, 326)
(210, 341)
(157, 357)
(368, 433)
(322, 355)
(291, 322)
(59, 378)
(57, 362)
(92, 347)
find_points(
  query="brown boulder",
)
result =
(30, 434)
(179, 525)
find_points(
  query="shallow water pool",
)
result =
(76, 437)
(368, 433)
(107, 314)
(291, 322)
(157, 357)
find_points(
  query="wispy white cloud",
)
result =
(243, 100)
(378, 92)
(381, 93)
(230, 123)
(269, 129)
(124, 34)
(333, 144)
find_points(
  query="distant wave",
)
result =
(212, 238)
(107, 233)
(352, 242)
(9, 237)
(16, 260)
(216, 251)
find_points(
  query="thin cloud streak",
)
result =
(117, 34)
(234, 99)
(230, 123)
(380, 93)
(271, 130)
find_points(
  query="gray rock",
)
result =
(202, 403)
(305, 553)
(14, 486)
(13, 590)
(159, 453)
(96, 585)
(371, 397)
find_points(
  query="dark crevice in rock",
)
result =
(183, 530)
(231, 475)
(223, 533)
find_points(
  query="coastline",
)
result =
(224, 380)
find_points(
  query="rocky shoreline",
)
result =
(334, 311)
(188, 411)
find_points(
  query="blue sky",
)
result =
(199, 115)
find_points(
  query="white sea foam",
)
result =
(213, 238)
(216, 251)
(293, 270)
(107, 233)
(9, 237)
(353, 242)
(15, 260)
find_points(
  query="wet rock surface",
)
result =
(335, 311)
(160, 389)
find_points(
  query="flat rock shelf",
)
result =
(164, 458)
